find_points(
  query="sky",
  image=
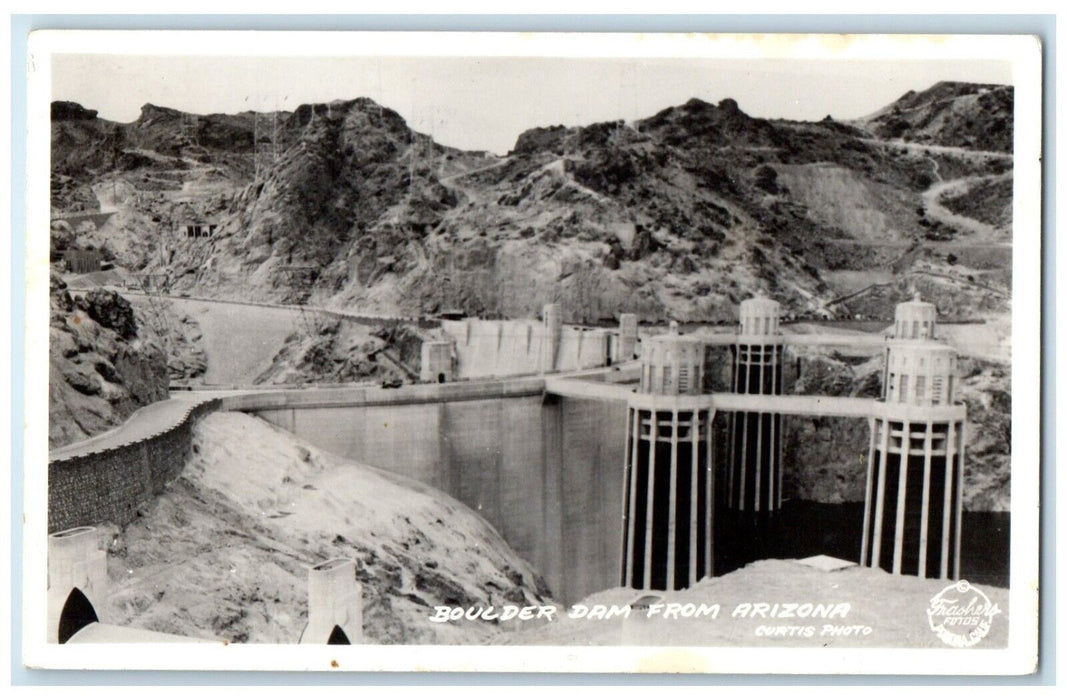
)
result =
(484, 103)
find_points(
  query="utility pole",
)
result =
(264, 142)
(190, 128)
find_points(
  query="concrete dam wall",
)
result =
(543, 469)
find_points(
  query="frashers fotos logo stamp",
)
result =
(961, 615)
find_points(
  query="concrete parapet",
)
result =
(576, 388)
(376, 396)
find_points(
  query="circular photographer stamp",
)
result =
(961, 615)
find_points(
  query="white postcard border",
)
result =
(1020, 655)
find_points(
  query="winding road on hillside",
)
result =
(448, 180)
(974, 233)
(936, 148)
(977, 232)
(920, 273)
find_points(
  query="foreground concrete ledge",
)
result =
(102, 633)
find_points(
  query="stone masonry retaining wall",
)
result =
(110, 485)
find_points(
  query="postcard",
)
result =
(533, 352)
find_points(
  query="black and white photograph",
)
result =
(507, 352)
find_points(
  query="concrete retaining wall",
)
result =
(545, 470)
(110, 485)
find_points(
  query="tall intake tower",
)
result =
(667, 508)
(754, 479)
(913, 506)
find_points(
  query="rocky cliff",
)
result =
(101, 369)
(826, 458)
(967, 115)
(681, 214)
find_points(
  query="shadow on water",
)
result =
(804, 529)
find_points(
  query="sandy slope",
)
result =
(224, 551)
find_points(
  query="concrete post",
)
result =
(75, 562)
(959, 501)
(709, 496)
(335, 604)
(650, 492)
(630, 506)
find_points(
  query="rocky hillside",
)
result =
(681, 214)
(155, 174)
(334, 351)
(967, 115)
(178, 333)
(101, 366)
(826, 457)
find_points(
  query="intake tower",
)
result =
(667, 518)
(913, 505)
(754, 481)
